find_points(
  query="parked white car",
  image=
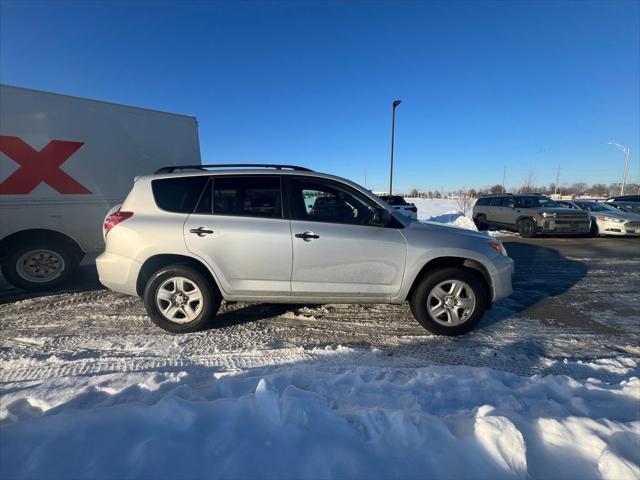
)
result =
(607, 220)
(400, 205)
(185, 241)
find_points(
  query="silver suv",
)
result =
(185, 240)
(529, 215)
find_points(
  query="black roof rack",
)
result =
(231, 165)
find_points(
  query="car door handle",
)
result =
(307, 236)
(201, 231)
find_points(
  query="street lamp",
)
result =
(393, 132)
(627, 153)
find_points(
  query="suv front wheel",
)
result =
(179, 299)
(450, 301)
(526, 228)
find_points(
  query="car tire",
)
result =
(179, 299)
(594, 231)
(433, 287)
(526, 228)
(481, 223)
(39, 265)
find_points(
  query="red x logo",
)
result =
(37, 167)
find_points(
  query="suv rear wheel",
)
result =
(179, 299)
(526, 228)
(481, 222)
(450, 301)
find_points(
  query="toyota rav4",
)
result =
(187, 238)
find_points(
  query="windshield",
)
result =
(595, 207)
(630, 207)
(536, 202)
(394, 200)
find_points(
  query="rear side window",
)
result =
(496, 202)
(483, 201)
(178, 195)
(246, 196)
(395, 200)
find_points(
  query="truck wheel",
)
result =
(450, 301)
(481, 223)
(526, 228)
(179, 299)
(39, 265)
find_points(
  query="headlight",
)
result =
(498, 247)
(613, 219)
(549, 215)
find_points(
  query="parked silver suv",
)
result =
(529, 215)
(185, 240)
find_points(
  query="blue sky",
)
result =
(529, 85)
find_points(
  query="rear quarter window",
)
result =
(481, 202)
(178, 195)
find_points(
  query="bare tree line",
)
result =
(578, 189)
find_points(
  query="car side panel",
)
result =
(347, 260)
(249, 254)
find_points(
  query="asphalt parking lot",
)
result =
(574, 299)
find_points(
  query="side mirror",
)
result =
(381, 217)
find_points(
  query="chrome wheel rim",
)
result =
(451, 303)
(179, 300)
(40, 266)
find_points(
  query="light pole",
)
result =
(393, 133)
(627, 153)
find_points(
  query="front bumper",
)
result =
(118, 273)
(554, 225)
(619, 228)
(501, 272)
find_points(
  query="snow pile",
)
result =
(313, 422)
(442, 211)
(448, 211)
(454, 219)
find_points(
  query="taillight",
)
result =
(114, 219)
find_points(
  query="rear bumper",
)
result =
(501, 272)
(118, 273)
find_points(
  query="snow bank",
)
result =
(442, 211)
(311, 422)
(448, 212)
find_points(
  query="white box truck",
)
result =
(64, 163)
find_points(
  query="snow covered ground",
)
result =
(327, 422)
(89, 388)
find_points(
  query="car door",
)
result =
(494, 211)
(240, 230)
(335, 251)
(508, 214)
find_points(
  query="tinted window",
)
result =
(395, 200)
(246, 196)
(509, 202)
(178, 194)
(205, 203)
(536, 202)
(326, 201)
(630, 206)
(595, 207)
(483, 201)
(496, 202)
